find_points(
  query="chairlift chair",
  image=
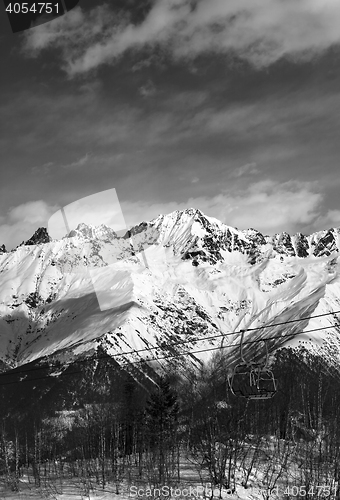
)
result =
(252, 380)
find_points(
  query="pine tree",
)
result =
(161, 422)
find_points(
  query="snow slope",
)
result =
(169, 284)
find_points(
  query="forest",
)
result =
(101, 428)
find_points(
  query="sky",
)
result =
(231, 107)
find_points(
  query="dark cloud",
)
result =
(259, 31)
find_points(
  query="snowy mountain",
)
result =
(177, 284)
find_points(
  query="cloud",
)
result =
(22, 221)
(249, 168)
(271, 206)
(99, 208)
(330, 219)
(67, 119)
(259, 31)
(46, 168)
(78, 163)
(148, 89)
(42, 169)
(268, 206)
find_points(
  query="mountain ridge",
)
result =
(180, 277)
(318, 243)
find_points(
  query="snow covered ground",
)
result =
(267, 467)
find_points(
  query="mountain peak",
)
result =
(193, 211)
(90, 232)
(40, 236)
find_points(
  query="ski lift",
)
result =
(252, 380)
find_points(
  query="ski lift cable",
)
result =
(251, 363)
(147, 360)
(172, 344)
(128, 364)
(212, 337)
